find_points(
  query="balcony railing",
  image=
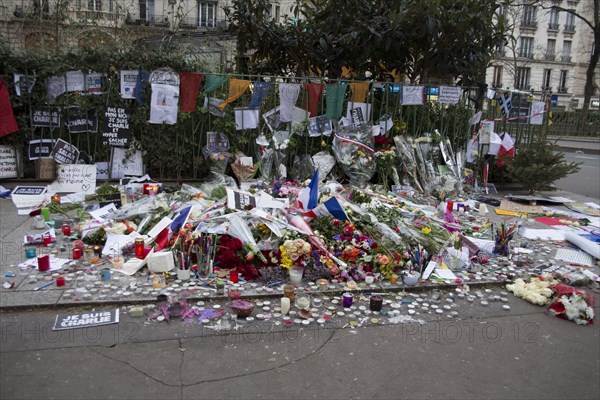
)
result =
(553, 26)
(529, 24)
(100, 17)
(525, 54)
(549, 56)
(569, 28)
(565, 58)
(209, 23)
(563, 90)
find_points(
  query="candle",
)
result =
(394, 279)
(369, 279)
(303, 302)
(76, 254)
(285, 305)
(60, 281)
(347, 300)
(289, 292)
(47, 239)
(375, 303)
(66, 229)
(44, 263)
(45, 212)
(30, 252)
(233, 276)
(55, 198)
(449, 206)
(139, 248)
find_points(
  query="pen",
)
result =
(44, 285)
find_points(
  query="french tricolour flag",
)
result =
(332, 208)
(181, 218)
(309, 196)
(507, 150)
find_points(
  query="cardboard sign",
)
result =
(40, 148)
(45, 117)
(74, 178)
(64, 152)
(115, 132)
(84, 320)
(80, 120)
(8, 162)
(46, 169)
(130, 166)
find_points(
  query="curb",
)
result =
(575, 149)
(124, 303)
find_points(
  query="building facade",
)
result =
(546, 51)
(198, 27)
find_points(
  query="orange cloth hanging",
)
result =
(359, 91)
(237, 87)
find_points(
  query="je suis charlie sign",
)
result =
(84, 320)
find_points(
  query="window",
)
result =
(553, 19)
(146, 10)
(562, 84)
(41, 8)
(570, 24)
(95, 5)
(497, 82)
(550, 50)
(277, 13)
(207, 14)
(566, 51)
(547, 79)
(526, 47)
(528, 16)
(522, 81)
(500, 49)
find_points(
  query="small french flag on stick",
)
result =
(162, 239)
(332, 208)
(309, 196)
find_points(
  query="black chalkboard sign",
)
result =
(65, 153)
(116, 131)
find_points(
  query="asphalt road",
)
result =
(586, 182)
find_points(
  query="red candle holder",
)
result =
(66, 230)
(76, 254)
(46, 240)
(60, 281)
(234, 276)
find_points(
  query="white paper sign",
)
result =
(246, 118)
(8, 162)
(28, 197)
(102, 170)
(128, 82)
(101, 213)
(56, 86)
(412, 95)
(163, 106)
(74, 178)
(75, 81)
(121, 167)
(537, 113)
(450, 94)
(365, 109)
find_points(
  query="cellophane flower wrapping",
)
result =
(241, 171)
(353, 150)
(303, 167)
(405, 152)
(218, 159)
(281, 140)
(324, 162)
(265, 156)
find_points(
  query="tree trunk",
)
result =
(589, 74)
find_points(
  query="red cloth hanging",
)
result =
(314, 91)
(8, 122)
(189, 88)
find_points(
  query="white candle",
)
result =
(285, 305)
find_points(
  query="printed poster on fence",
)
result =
(449, 94)
(24, 83)
(94, 83)
(64, 152)
(537, 113)
(40, 148)
(165, 96)
(75, 81)
(45, 117)
(116, 132)
(128, 82)
(80, 120)
(55, 86)
(8, 162)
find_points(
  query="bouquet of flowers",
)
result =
(385, 161)
(293, 252)
(572, 304)
(265, 155)
(216, 152)
(243, 167)
(353, 149)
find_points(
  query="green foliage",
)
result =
(537, 166)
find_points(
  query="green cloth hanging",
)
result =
(334, 96)
(213, 82)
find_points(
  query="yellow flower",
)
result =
(286, 261)
(426, 229)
